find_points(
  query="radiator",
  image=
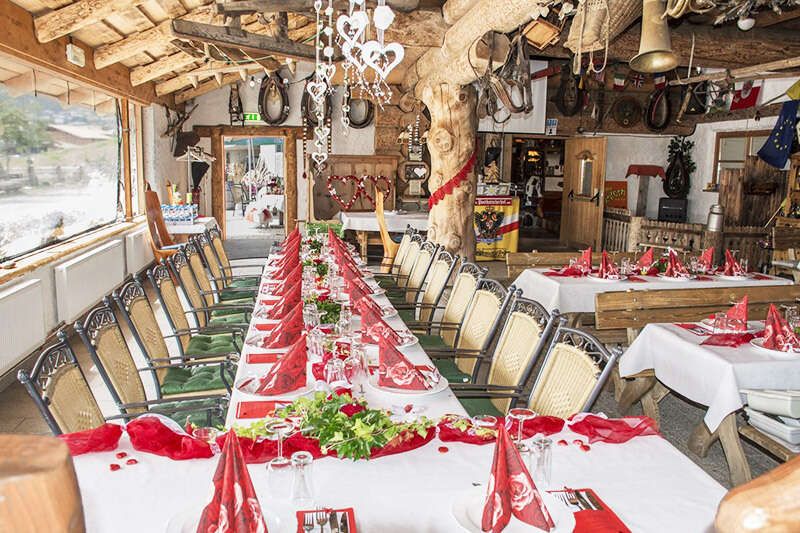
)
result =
(138, 253)
(82, 281)
(22, 326)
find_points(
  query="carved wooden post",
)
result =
(451, 141)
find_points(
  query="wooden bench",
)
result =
(633, 310)
(516, 263)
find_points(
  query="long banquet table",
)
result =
(647, 482)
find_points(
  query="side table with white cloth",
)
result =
(709, 375)
(183, 230)
(365, 222)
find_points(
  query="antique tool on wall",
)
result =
(655, 47)
(627, 111)
(659, 109)
(569, 98)
(273, 95)
(235, 105)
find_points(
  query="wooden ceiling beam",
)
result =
(108, 54)
(162, 67)
(75, 16)
(241, 7)
(173, 8)
(206, 71)
(244, 40)
(770, 18)
(205, 87)
(24, 83)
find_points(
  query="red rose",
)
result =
(322, 298)
(352, 408)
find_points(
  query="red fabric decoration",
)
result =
(707, 258)
(593, 521)
(288, 331)
(511, 491)
(585, 260)
(777, 333)
(732, 266)
(731, 340)
(287, 303)
(257, 409)
(262, 358)
(395, 371)
(234, 508)
(674, 266)
(545, 425)
(739, 312)
(646, 260)
(100, 439)
(566, 272)
(613, 431)
(286, 375)
(376, 329)
(160, 435)
(451, 184)
(646, 170)
(607, 267)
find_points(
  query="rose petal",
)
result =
(114, 467)
(131, 461)
(121, 455)
(443, 449)
(562, 442)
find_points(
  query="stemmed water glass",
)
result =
(278, 468)
(355, 367)
(208, 435)
(519, 414)
(310, 316)
(302, 484)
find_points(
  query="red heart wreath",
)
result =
(386, 189)
(360, 189)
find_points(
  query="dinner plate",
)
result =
(388, 312)
(187, 520)
(467, 509)
(241, 386)
(759, 343)
(709, 324)
(441, 385)
(677, 278)
(596, 277)
(733, 278)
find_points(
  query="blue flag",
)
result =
(776, 150)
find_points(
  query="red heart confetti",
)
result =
(585, 447)
(114, 467)
(121, 455)
(562, 442)
(131, 461)
(577, 442)
(443, 449)
(408, 408)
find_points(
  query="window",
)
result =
(60, 160)
(732, 149)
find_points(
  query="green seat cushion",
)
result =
(224, 320)
(221, 343)
(245, 283)
(230, 296)
(201, 413)
(479, 406)
(432, 341)
(386, 283)
(222, 311)
(407, 315)
(448, 368)
(193, 379)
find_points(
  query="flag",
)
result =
(776, 150)
(637, 80)
(745, 96)
(793, 92)
(659, 80)
(619, 81)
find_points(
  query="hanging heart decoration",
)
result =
(382, 58)
(345, 204)
(317, 90)
(420, 171)
(319, 158)
(352, 27)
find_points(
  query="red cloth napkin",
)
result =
(545, 425)
(761, 277)
(234, 508)
(290, 299)
(511, 491)
(604, 520)
(607, 267)
(646, 260)
(704, 278)
(612, 430)
(293, 278)
(731, 340)
(674, 265)
(262, 358)
(351, 518)
(257, 409)
(739, 312)
(100, 439)
(154, 433)
(397, 372)
(777, 333)
(288, 331)
(376, 329)
(567, 272)
(694, 328)
(707, 258)
(286, 375)
(732, 266)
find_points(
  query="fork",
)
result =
(308, 522)
(322, 519)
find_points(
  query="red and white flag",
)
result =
(745, 96)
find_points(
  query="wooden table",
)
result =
(363, 223)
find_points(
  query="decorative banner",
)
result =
(451, 184)
(496, 222)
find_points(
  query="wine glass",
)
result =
(302, 484)
(310, 316)
(208, 435)
(278, 470)
(519, 414)
(334, 374)
(355, 368)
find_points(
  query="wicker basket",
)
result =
(622, 14)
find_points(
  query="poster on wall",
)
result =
(616, 194)
(496, 222)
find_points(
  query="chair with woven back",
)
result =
(138, 314)
(160, 240)
(416, 276)
(228, 268)
(210, 293)
(205, 310)
(432, 290)
(60, 391)
(479, 327)
(399, 278)
(103, 338)
(523, 338)
(574, 371)
(390, 247)
(220, 288)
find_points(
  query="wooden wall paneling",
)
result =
(326, 208)
(730, 194)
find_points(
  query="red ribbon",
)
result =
(451, 184)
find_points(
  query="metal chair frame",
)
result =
(452, 261)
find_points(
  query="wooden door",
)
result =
(582, 201)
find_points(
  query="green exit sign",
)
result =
(252, 117)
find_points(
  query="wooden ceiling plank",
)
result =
(80, 14)
(20, 84)
(202, 73)
(161, 67)
(233, 7)
(246, 41)
(205, 87)
(173, 8)
(130, 46)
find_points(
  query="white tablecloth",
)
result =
(395, 222)
(709, 375)
(201, 224)
(648, 483)
(576, 295)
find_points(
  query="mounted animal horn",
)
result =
(655, 47)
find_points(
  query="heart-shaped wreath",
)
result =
(360, 189)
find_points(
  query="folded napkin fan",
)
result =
(585, 260)
(707, 258)
(674, 266)
(777, 333)
(234, 507)
(287, 302)
(607, 267)
(732, 266)
(287, 375)
(738, 312)
(646, 259)
(376, 329)
(397, 372)
(511, 491)
(288, 331)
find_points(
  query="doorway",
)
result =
(255, 187)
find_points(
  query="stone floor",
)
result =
(18, 413)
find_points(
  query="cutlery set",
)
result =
(335, 523)
(583, 500)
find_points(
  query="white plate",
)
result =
(677, 278)
(285, 396)
(596, 277)
(187, 520)
(467, 509)
(709, 324)
(389, 312)
(759, 343)
(436, 389)
(733, 278)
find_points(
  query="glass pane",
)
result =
(59, 166)
(732, 148)
(756, 143)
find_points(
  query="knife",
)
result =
(593, 500)
(334, 525)
(583, 503)
(344, 526)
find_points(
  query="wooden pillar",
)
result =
(290, 180)
(218, 179)
(451, 142)
(126, 158)
(634, 233)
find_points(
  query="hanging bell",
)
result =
(655, 47)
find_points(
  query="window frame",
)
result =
(747, 134)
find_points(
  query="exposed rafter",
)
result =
(205, 87)
(137, 43)
(75, 16)
(241, 7)
(202, 73)
(162, 67)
